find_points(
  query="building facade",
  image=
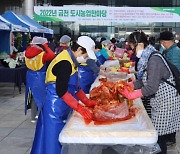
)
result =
(18, 6)
(117, 29)
(118, 3)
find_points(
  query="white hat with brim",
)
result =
(87, 43)
(91, 54)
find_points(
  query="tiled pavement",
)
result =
(16, 129)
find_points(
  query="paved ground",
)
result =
(16, 129)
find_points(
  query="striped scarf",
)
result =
(142, 63)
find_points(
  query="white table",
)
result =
(136, 131)
(133, 135)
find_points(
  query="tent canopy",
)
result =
(4, 26)
(15, 19)
(30, 21)
(14, 28)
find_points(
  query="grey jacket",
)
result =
(165, 103)
(156, 70)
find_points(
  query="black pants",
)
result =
(171, 138)
(162, 142)
(34, 109)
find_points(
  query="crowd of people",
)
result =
(58, 77)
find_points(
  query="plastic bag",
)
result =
(116, 76)
(111, 149)
(39, 40)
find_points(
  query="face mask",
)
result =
(68, 44)
(81, 59)
(139, 53)
(163, 47)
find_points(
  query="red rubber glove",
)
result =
(73, 103)
(83, 98)
(131, 85)
(48, 55)
(110, 58)
(131, 95)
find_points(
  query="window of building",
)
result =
(93, 2)
(103, 2)
(131, 2)
(119, 3)
(167, 3)
(156, 3)
(169, 24)
(177, 3)
(177, 24)
(144, 3)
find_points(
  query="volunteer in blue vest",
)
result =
(36, 56)
(100, 57)
(89, 67)
(62, 94)
(105, 51)
(64, 44)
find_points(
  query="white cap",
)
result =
(106, 42)
(87, 43)
(122, 39)
(39, 40)
(98, 39)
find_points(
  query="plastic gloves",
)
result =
(73, 103)
(84, 112)
(131, 95)
(102, 67)
(45, 45)
(83, 98)
(131, 85)
(101, 72)
(110, 58)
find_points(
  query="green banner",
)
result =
(107, 14)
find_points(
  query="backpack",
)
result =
(175, 72)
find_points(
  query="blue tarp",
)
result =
(4, 26)
(15, 19)
(29, 20)
(4, 41)
(5, 34)
(14, 28)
